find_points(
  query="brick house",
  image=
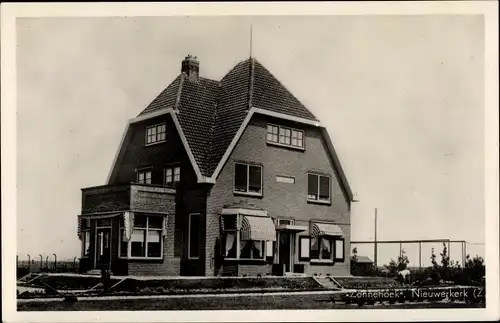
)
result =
(229, 177)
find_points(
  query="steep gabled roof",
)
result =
(212, 114)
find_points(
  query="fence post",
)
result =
(55, 262)
(29, 263)
(420, 256)
(41, 263)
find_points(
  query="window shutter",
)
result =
(240, 177)
(312, 187)
(324, 187)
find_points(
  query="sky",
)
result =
(401, 96)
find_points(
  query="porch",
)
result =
(124, 223)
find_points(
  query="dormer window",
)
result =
(156, 134)
(284, 136)
(144, 176)
(172, 176)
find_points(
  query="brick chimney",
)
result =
(191, 66)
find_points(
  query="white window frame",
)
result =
(292, 131)
(238, 242)
(171, 168)
(247, 192)
(144, 170)
(318, 200)
(146, 229)
(157, 128)
(189, 236)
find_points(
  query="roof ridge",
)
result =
(179, 92)
(250, 87)
(212, 127)
(287, 90)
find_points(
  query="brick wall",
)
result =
(169, 266)
(190, 197)
(282, 199)
(138, 155)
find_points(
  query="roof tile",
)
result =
(211, 112)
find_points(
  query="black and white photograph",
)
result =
(185, 158)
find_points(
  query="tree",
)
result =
(445, 259)
(354, 257)
(433, 259)
(401, 264)
(403, 261)
(354, 261)
(474, 268)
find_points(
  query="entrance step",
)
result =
(327, 283)
(295, 275)
(95, 272)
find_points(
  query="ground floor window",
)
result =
(146, 239)
(233, 247)
(86, 237)
(322, 248)
(327, 248)
(86, 243)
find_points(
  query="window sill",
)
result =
(321, 262)
(142, 259)
(271, 143)
(250, 194)
(246, 261)
(319, 202)
(155, 143)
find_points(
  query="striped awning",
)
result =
(98, 216)
(93, 216)
(257, 228)
(325, 229)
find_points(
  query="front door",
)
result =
(285, 250)
(103, 247)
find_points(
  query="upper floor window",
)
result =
(318, 188)
(248, 179)
(285, 136)
(156, 133)
(144, 176)
(172, 175)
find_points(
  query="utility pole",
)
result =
(375, 244)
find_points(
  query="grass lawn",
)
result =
(219, 303)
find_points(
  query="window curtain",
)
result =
(230, 239)
(325, 244)
(128, 221)
(258, 246)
